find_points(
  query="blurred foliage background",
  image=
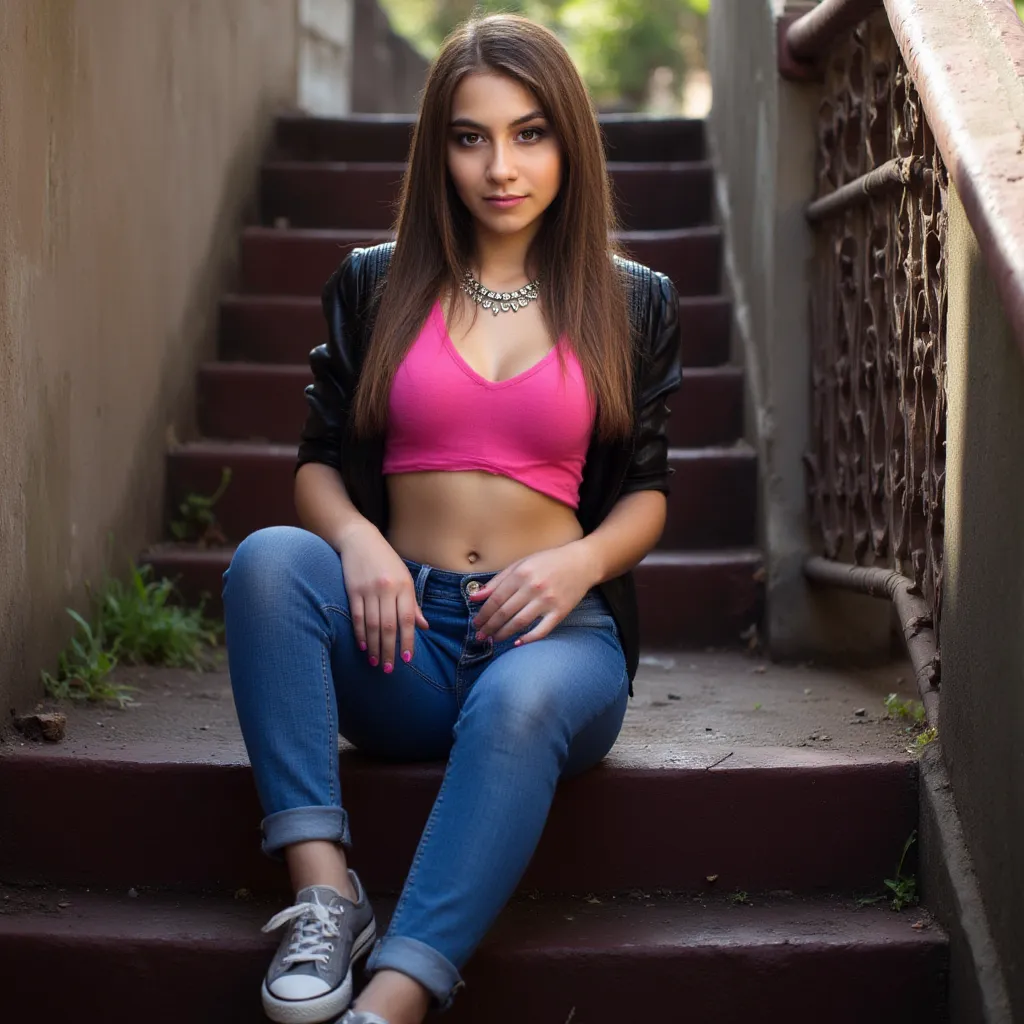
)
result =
(633, 54)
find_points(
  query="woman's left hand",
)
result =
(546, 585)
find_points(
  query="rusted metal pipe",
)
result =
(811, 35)
(890, 176)
(913, 611)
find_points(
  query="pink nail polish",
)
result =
(362, 645)
(373, 661)
(518, 643)
(406, 656)
(388, 667)
(480, 636)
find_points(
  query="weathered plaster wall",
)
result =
(129, 141)
(387, 73)
(762, 135)
(982, 707)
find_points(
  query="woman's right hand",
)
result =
(381, 595)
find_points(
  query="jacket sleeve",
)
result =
(335, 368)
(660, 375)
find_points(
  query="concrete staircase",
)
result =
(657, 837)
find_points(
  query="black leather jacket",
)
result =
(611, 470)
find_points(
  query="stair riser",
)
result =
(831, 828)
(282, 331)
(681, 606)
(245, 403)
(321, 139)
(281, 262)
(215, 983)
(366, 197)
(712, 504)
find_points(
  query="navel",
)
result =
(472, 557)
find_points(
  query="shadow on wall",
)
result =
(387, 72)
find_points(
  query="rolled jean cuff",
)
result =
(302, 824)
(422, 963)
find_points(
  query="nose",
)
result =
(502, 166)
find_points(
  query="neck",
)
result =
(500, 260)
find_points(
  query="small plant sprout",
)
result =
(739, 897)
(198, 521)
(907, 710)
(922, 739)
(84, 667)
(903, 887)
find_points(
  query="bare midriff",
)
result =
(471, 521)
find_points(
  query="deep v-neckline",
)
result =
(460, 360)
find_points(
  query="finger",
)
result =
(355, 609)
(496, 624)
(371, 605)
(421, 619)
(530, 613)
(407, 610)
(388, 629)
(541, 630)
(496, 596)
(492, 585)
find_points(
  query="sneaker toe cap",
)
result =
(298, 986)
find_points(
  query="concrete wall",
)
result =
(762, 136)
(387, 74)
(982, 707)
(325, 56)
(131, 134)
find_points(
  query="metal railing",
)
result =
(876, 469)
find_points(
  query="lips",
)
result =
(504, 202)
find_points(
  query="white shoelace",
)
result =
(315, 924)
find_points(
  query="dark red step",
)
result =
(245, 401)
(712, 504)
(687, 599)
(282, 261)
(282, 329)
(386, 138)
(363, 196)
(696, 598)
(655, 959)
(762, 818)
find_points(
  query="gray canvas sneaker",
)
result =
(309, 981)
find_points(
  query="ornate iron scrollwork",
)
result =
(876, 469)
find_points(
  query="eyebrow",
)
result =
(465, 122)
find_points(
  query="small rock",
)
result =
(861, 712)
(133, 894)
(203, 728)
(49, 726)
(807, 691)
(674, 696)
(707, 728)
(712, 878)
(759, 669)
(917, 925)
(66, 903)
(825, 738)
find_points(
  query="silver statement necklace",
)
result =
(500, 302)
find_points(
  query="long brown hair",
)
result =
(582, 293)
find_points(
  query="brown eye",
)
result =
(535, 134)
(467, 139)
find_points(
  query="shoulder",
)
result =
(358, 275)
(651, 296)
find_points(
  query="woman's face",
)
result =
(503, 157)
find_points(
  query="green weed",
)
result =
(739, 897)
(908, 710)
(148, 629)
(922, 739)
(903, 887)
(198, 521)
(84, 667)
(135, 623)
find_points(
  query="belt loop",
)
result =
(421, 583)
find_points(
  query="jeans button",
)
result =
(472, 586)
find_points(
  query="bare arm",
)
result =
(381, 596)
(629, 531)
(324, 506)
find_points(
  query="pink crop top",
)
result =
(534, 427)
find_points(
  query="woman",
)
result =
(483, 463)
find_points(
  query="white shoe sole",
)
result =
(330, 1004)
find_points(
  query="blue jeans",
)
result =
(510, 721)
